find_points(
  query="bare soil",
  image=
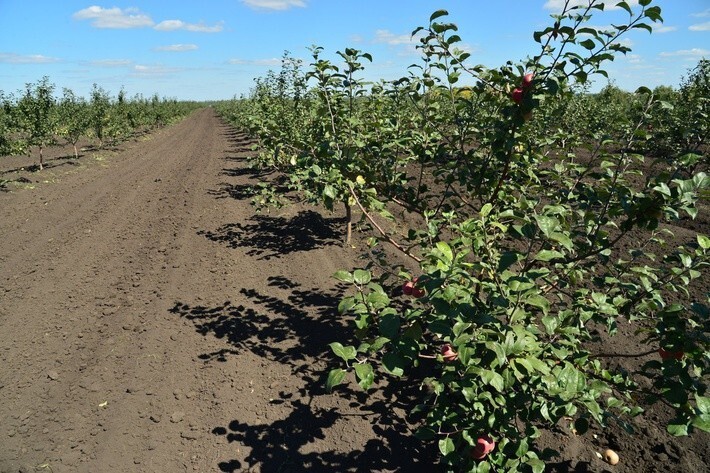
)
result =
(151, 321)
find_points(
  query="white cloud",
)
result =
(274, 4)
(256, 62)
(702, 14)
(177, 47)
(115, 17)
(700, 27)
(689, 53)
(111, 63)
(145, 70)
(172, 25)
(387, 37)
(659, 29)
(558, 5)
(11, 58)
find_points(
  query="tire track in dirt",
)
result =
(150, 321)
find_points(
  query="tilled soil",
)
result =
(151, 321)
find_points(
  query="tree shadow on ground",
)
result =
(296, 331)
(239, 141)
(234, 191)
(276, 447)
(270, 237)
(48, 164)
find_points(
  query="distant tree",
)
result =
(99, 113)
(35, 113)
(73, 116)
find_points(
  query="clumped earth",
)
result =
(151, 321)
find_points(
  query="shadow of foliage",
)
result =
(270, 237)
(234, 191)
(296, 331)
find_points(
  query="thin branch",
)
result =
(379, 228)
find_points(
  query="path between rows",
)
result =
(150, 321)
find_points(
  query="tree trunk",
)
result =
(41, 159)
(76, 152)
(348, 223)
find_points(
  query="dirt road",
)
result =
(151, 321)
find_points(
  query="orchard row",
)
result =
(513, 218)
(35, 118)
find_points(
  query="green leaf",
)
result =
(425, 433)
(507, 259)
(335, 377)
(486, 210)
(446, 446)
(445, 250)
(346, 353)
(346, 304)
(625, 6)
(540, 302)
(438, 14)
(362, 277)
(551, 324)
(588, 44)
(393, 364)
(389, 325)
(547, 224)
(702, 422)
(343, 276)
(562, 239)
(704, 242)
(654, 13)
(537, 465)
(548, 255)
(378, 300)
(677, 430)
(494, 379)
(329, 191)
(499, 350)
(365, 375)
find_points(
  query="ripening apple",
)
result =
(448, 353)
(517, 95)
(527, 80)
(667, 355)
(407, 288)
(484, 446)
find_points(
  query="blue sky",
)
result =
(212, 49)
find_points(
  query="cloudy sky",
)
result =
(212, 49)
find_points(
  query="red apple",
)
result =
(517, 95)
(448, 353)
(417, 292)
(667, 355)
(407, 288)
(484, 446)
(527, 80)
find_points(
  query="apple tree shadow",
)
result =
(278, 446)
(295, 331)
(268, 237)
